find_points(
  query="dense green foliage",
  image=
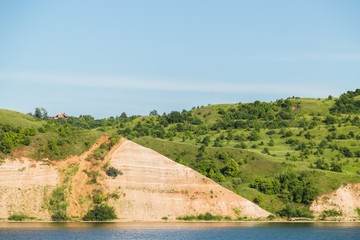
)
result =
(347, 103)
(11, 136)
(53, 139)
(113, 172)
(58, 205)
(102, 212)
(289, 187)
(292, 211)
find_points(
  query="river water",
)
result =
(173, 231)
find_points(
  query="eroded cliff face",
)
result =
(25, 187)
(153, 186)
(342, 204)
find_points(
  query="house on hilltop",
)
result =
(60, 116)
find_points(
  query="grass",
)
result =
(78, 142)
(314, 105)
(209, 113)
(18, 119)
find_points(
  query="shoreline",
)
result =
(186, 222)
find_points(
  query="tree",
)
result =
(154, 113)
(335, 167)
(346, 152)
(321, 164)
(206, 141)
(123, 115)
(41, 113)
(231, 169)
(292, 211)
(253, 136)
(330, 120)
(7, 142)
(44, 114)
(38, 113)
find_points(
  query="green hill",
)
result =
(41, 139)
(278, 154)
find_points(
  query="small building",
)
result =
(60, 116)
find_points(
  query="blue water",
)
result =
(172, 231)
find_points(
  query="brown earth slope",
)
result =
(75, 168)
(153, 186)
(80, 191)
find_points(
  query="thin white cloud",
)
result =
(158, 84)
(310, 57)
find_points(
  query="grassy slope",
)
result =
(74, 143)
(18, 119)
(266, 165)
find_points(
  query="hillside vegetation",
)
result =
(280, 155)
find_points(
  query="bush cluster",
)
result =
(113, 172)
(102, 212)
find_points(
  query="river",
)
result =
(173, 231)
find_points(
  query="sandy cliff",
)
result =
(345, 200)
(153, 186)
(25, 187)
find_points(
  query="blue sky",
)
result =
(107, 57)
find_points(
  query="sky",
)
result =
(107, 57)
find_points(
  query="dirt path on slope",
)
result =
(82, 176)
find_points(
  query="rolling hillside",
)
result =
(282, 155)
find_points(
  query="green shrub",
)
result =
(330, 213)
(113, 172)
(19, 217)
(59, 216)
(101, 212)
(257, 200)
(201, 217)
(335, 167)
(292, 211)
(358, 211)
(99, 197)
(231, 168)
(58, 205)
